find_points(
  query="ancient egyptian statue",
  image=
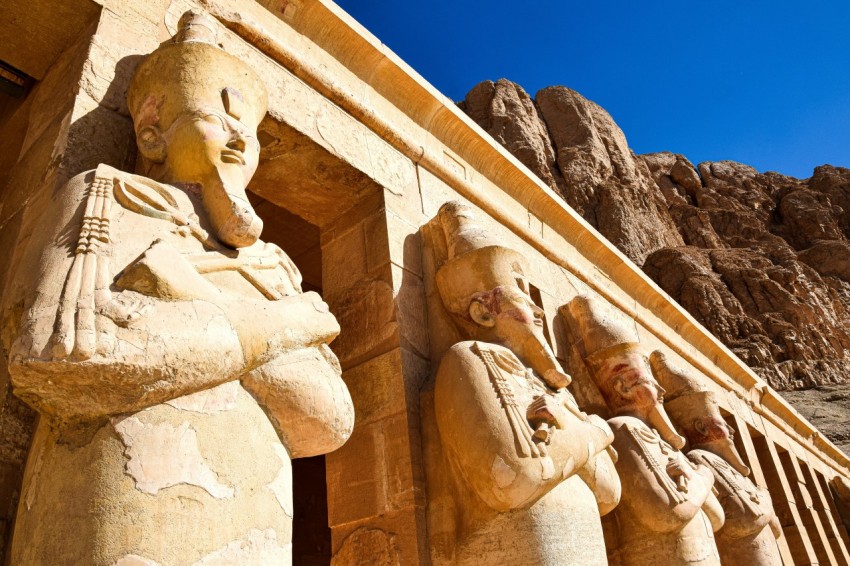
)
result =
(749, 533)
(667, 512)
(174, 360)
(528, 472)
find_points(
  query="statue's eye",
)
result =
(215, 121)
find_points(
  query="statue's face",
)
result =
(634, 390)
(218, 154)
(710, 432)
(207, 142)
(517, 323)
(637, 387)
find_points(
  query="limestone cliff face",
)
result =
(761, 260)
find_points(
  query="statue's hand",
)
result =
(547, 409)
(126, 308)
(682, 471)
(676, 468)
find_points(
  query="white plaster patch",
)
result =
(502, 474)
(282, 484)
(547, 468)
(161, 456)
(135, 560)
(216, 400)
(260, 549)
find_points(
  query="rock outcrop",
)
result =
(576, 148)
(760, 259)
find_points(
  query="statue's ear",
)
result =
(481, 314)
(151, 143)
(622, 389)
(699, 426)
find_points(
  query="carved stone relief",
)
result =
(748, 535)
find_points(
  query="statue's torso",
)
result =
(746, 538)
(642, 540)
(173, 484)
(204, 475)
(561, 527)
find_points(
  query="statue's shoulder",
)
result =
(86, 178)
(132, 192)
(484, 353)
(628, 424)
(703, 457)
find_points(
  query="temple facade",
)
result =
(364, 334)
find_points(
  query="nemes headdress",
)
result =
(476, 263)
(190, 72)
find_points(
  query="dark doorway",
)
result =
(311, 536)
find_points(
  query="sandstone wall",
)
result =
(761, 260)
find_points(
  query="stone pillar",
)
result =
(821, 506)
(802, 549)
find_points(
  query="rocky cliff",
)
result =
(760, 259)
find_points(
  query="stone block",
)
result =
(377, 241)
(343, 262)
(410, 311)
(435, 192)
(53, 98)
(391, 169)
(404, 243)
(402, 531)
(366, 312)
(356, 476)
(377, 387)
(399, 462)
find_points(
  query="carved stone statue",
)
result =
(748, 536)
(174, 360)
(668, 512)
(529, 473)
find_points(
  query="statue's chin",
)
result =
(233, 220)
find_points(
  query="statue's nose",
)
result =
(237, 142)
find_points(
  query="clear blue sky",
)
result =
(766, 83)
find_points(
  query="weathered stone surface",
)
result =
(760, 259)
(826, 407)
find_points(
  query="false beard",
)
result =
(537, 354)
(728, 452)
(659, 420)
(232, 218)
